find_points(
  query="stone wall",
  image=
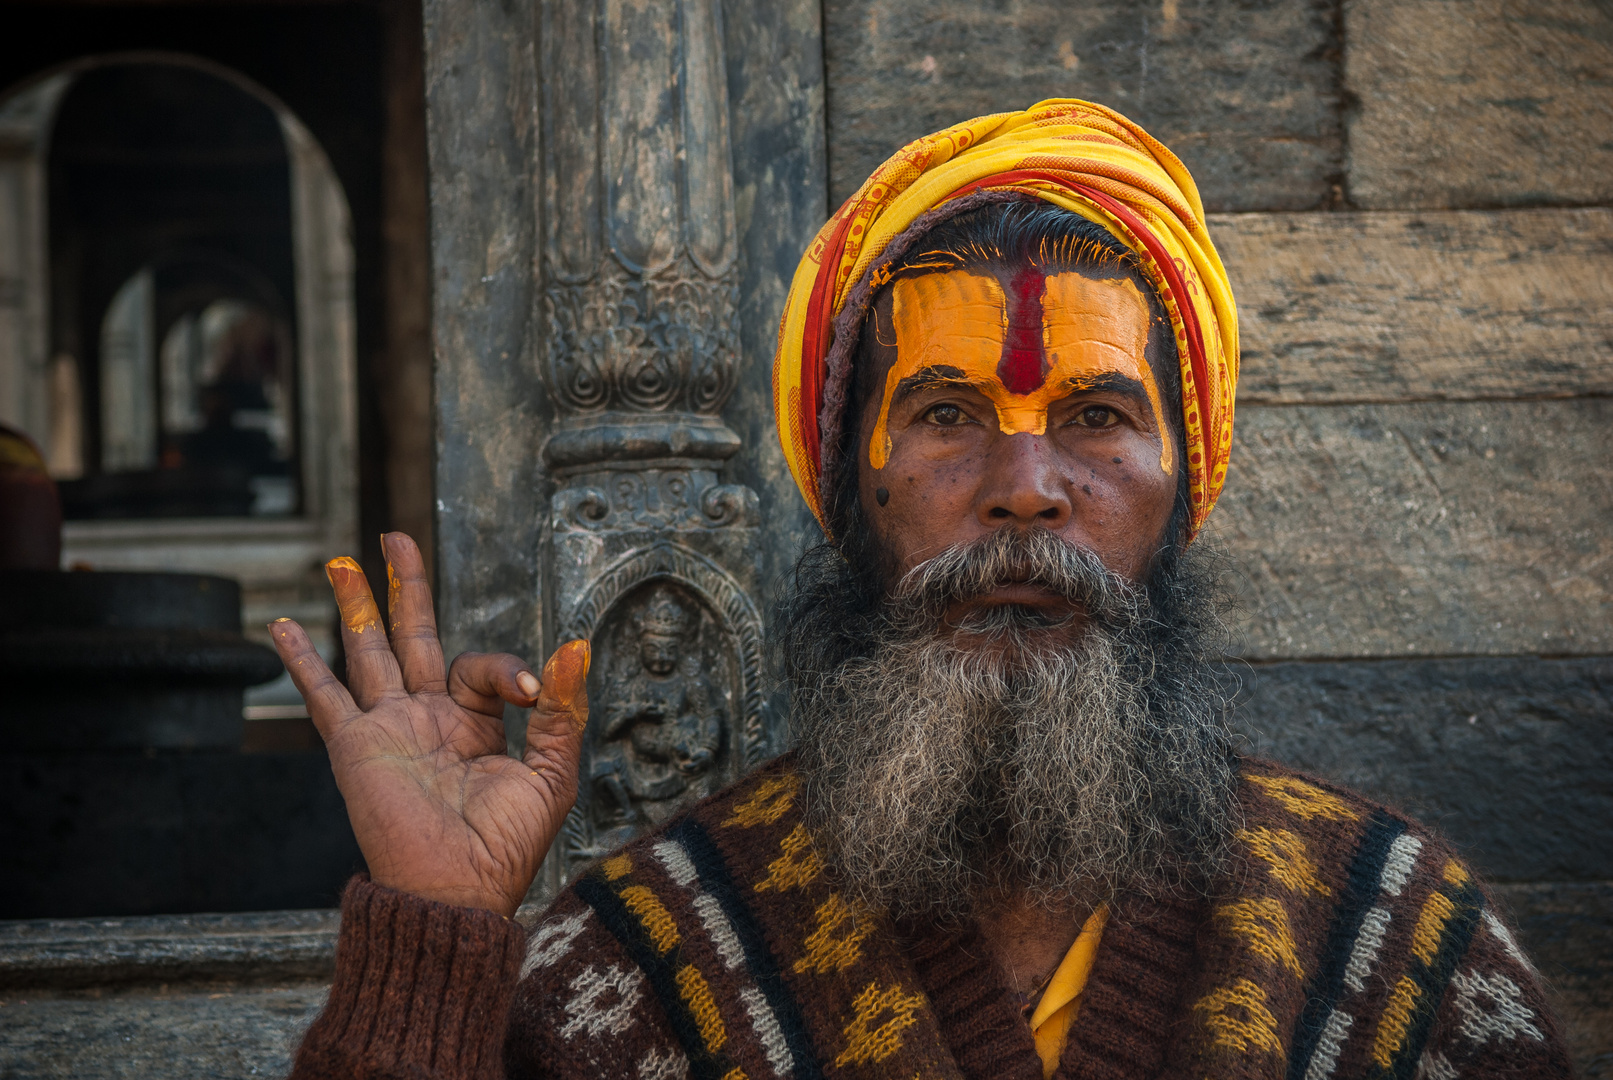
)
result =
(1412, 199)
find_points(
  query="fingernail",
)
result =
(528, 684)
(342, 562)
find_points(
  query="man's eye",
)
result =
(945, 415)
(1097, 416)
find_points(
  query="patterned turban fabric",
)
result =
(1083, 157)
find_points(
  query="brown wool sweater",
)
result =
(1344, 942)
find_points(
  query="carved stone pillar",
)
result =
(606, 291)
(654, 556)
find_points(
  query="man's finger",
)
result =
(414, 624)
(372, 670)
(483, 682)
(561, 711)
(329, 703)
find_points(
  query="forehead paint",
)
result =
(1095, 328)
(1046, 338)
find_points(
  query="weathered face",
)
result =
(1015, 399)
(659, 653)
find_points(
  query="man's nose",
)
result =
(1022, 484)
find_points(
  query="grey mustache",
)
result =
(1013, 556)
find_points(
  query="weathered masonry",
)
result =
(1415, 201)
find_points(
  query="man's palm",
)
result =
(437, 806)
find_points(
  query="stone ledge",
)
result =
(63, 954)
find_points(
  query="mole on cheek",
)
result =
(882, 495)
(1088, 489)
(1118, 461)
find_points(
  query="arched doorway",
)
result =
(177, 327)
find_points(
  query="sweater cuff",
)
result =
(421, 989)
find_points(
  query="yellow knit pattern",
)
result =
(1262, 923)
(1437, 911)
(1285, 853)
(1238, 1018)
(696, 994)
(1396, 1019)
(836, 944)
(770, 801)
(796, 867)
(866, 1041)
(1305, 800)
(617, 867)
(653, 914)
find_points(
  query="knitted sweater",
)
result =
(1345, 942)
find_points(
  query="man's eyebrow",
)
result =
(1111, 382)
(929, 378)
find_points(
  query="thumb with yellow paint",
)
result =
(560, 712)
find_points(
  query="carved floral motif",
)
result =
(654, 498)
(668, 340)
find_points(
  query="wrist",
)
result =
(454, 895)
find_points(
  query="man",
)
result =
(1014, 839)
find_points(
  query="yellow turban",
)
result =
(1088, 159)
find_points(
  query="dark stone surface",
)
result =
(113, 600)
(1509, 757)
(195, 1031)
(775, 100)
(95, 661)
(264, 946)
(214, 832)
(1244, 91)
(492, 412)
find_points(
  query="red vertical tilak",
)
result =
(1023, 366)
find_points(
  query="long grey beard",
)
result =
(940, 771)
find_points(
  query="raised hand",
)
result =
(438, 807)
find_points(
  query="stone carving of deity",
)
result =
(662, 735)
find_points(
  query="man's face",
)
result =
(1002, 680)
(1010, 398)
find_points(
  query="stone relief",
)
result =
(654, 498)
(649, 343)
(676, 692)
(663, 734)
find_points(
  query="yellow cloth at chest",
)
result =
(1050, 1023)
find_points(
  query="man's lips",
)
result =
(1019, 594)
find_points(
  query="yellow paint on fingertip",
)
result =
(393, 588)
(353, 598)
(565, 676)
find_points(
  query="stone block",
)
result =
(1383, 306)
(775, 93)
(191, 1031)
(262, 947)
(1474, 103)
(1508, 757)
(1424, 529)
(127, 834)
(1244, 92)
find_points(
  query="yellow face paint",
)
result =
(961, 321)
(353, 595)
(1093, 328)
